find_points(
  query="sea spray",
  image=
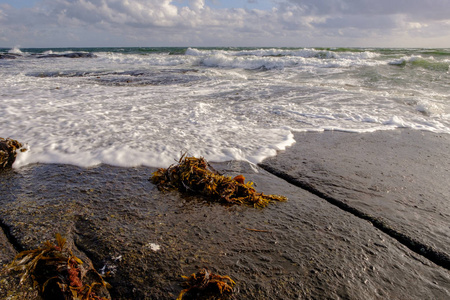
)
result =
(145, 106)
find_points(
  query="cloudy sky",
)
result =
(296, 23)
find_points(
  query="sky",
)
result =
(233, 23)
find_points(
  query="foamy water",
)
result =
(131, 107)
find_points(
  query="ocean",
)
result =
(147, 106)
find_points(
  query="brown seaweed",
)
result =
(8, 151)
(206, 283)
(195, 175)
(57, 272)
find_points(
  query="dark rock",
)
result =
(8, 151)
(70, 55)
(8, 56)
(398, 180)
(8, 252)
(303, 248)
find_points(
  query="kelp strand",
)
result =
(195, 175)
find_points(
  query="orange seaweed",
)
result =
(196, 175)
(56, 271)
(204, 282)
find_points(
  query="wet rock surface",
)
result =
(398, 179)
(8, 252)
(304, 248)
(8, 56)
(70, 55)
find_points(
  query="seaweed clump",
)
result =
(193, 174)
(207, 284)
(57, 272)
(8, 151)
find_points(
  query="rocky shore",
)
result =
(358, 205)
(52, 55)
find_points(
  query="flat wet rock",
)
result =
(400, 178)
(7, 253)
(304, 248)
(70, 55)
(8, 56)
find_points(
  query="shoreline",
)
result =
(290, 142)
(305, 247)
(397, 180)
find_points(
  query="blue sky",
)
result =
(269, 23)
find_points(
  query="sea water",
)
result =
(148, 106)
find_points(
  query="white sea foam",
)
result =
(145, 60)
(429, 108)
(15, 50)
(419, 61)
(133, 109)
(281, 58)
(396, 121)
(305, 53)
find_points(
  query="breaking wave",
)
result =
(429, 63)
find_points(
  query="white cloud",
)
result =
(132, 12)
(370, 7)
(197, 5)
(195, 23)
